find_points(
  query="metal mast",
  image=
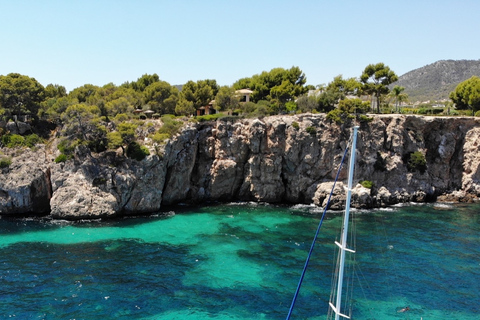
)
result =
(343, 244)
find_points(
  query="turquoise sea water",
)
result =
(240, 262)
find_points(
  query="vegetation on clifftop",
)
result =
(149, 111)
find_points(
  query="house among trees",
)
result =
(244, 94)
(208, 109)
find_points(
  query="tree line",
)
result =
(103, 117)
(276, 91)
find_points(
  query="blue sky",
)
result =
(72, 43)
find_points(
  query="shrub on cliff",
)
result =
(5, 162)
(416, 162)
(32, 139)
(61, 158)
(67, 146)
(15, 140)
(338, 116)
(136, 151)
(121, 117)
(349, 109)
(311, 130)
(160, 137)
(12, 140)
(170, 125)
(209, 117)
(367, 184)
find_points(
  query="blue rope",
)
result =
(315, 238)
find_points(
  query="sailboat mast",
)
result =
(343, 243)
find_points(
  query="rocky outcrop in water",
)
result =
(278, 159)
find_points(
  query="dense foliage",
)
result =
(375, 80)
(5, 162)
(20, 95)
(276, 87)
(467, 95)
(139, 117)
(416, 162)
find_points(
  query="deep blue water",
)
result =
(240, 262)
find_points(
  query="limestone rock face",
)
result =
(289, 159)
(277, 159)
(91, 187)
(18, 127)
(471, 162)
(25, 184)
(176, 170)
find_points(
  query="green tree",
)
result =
(127, 131)
(467, 95)
(134, 98)
(204, 94)
(55, 91)
(291, 107)
(200, 92)
(226, 99)
(161, 97)
(101, 96)
(77, 120)
(355, 106)
(143, 82)
(184, 107)
(115, 141)
(307, 103)
(327, 100)
(212, 83)
(375, 80)
(53, 95)
(83, 93)
(336, 91)
(53, 108)
(136, 151)
(119, 106)
(124, 136)
(349, 109)
(398, 96)
(106, 91)
(82, 122)
(20, 94)
(283, 93)
(276, 86)
(343, 87)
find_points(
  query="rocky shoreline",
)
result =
(277, 159)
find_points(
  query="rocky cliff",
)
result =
(278, 159)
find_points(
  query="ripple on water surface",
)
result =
(239, 262)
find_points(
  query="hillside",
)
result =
(435, 81)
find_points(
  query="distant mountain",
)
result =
(435, 81)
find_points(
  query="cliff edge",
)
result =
(277, 159)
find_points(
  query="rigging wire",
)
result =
(316, 235)
(349, 272)
(351, 265)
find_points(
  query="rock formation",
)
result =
(278, 159)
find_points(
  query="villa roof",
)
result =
(244, 91)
